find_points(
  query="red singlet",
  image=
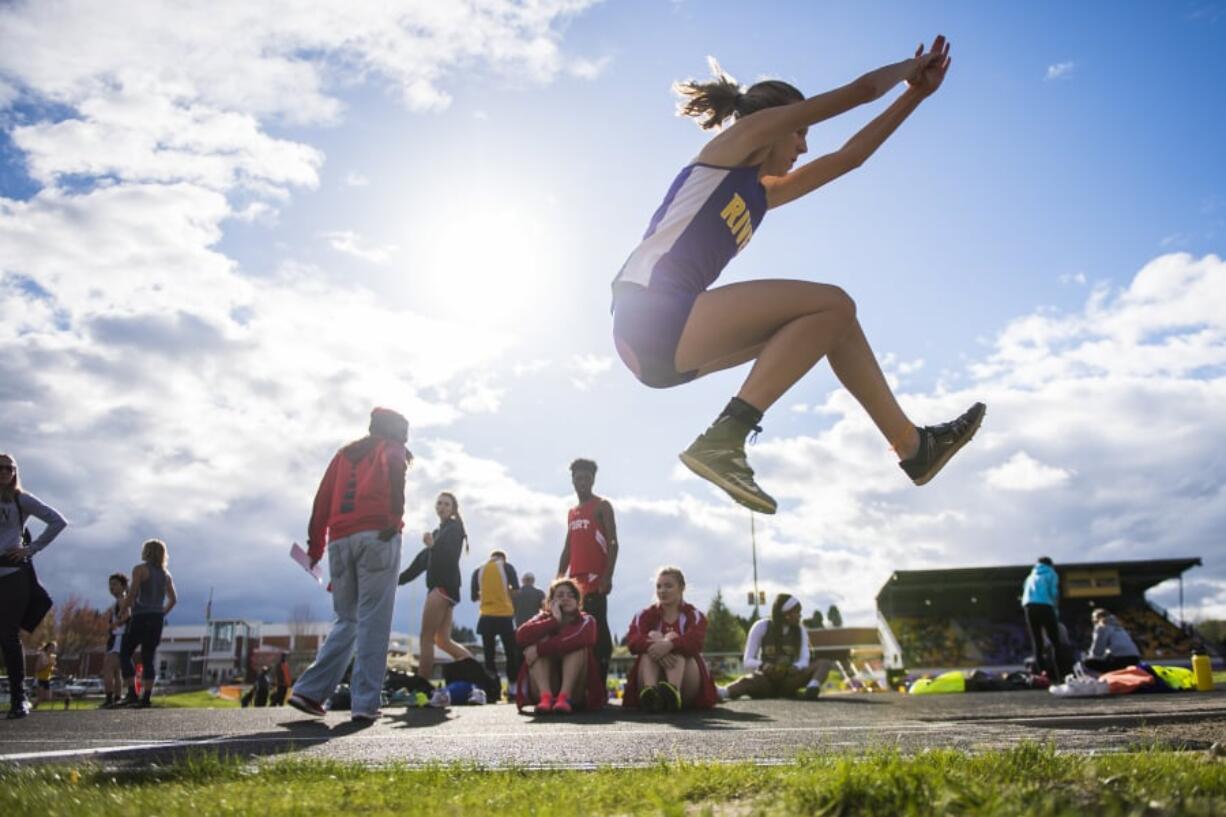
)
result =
(589, 550)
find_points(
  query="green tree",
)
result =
(834, 616)
(724, 632)
(463, 635)
(814, 622)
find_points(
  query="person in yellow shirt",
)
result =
(43, 672)
(493, 585)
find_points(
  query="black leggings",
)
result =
(596, 605)
(14, 596)
(1040, 619)
(143, 631)
(494, 629)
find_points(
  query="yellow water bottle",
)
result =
(1202, 671)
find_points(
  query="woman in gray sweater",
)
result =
(1112, 647)
(16, 572)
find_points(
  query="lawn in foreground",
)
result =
(1029, 780)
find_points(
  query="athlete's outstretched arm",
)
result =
(746, 136)
(825, 169)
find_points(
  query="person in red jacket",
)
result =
(559, 672)
(358, 515)
(669, 673)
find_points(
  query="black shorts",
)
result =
(647, 326)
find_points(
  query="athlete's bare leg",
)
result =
(540, 678)
(786, 327)
(649, 672)
(574, 673)
(436, 631)
(691, 681)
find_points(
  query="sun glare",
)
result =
(491, 262)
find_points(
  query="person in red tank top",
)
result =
(590, 554)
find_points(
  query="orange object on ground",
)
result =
(1125, 681)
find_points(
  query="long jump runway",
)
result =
(759, 731)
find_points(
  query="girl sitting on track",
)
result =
(440, 561)
(777, 655)
(669, 672)
(670, 328)
(559, 672)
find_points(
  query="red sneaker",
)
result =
(545, 704)
(562, 705)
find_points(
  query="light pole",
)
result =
(753, 543)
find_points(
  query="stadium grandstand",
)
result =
(972, 617)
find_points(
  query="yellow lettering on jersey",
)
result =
(737, 216)
(734, 207)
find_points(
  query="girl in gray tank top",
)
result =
(151, 597)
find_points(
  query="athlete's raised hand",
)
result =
(930, 67)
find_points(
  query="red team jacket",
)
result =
(362, 490)
(552, 638)
(691, 627)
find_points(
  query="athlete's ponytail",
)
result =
(722, 98)
(455, 507)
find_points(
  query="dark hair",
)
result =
(722, 98)
(496, 553)
(583, 465)
(555, 584)
(1045, 560)
(455, 508)
(122, 578)
(774, 630)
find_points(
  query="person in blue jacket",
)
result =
(1041, 604)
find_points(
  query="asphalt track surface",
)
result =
(759, 731)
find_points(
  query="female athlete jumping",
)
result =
(670, 328)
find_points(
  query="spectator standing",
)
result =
(589, 555)
(358, 516)
(23, 601)
(151, 596)
(284, 681)
(112, 675)
(528, 599)
(493, 586)
(1041, 606)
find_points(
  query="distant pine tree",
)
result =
(724, 632)
(463, 635)
(814, 622)
(834, 616)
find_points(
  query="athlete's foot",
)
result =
(562, 704)
(545, 704)
(670, 697)
(938, 443)
(718, 456)
(649, 700)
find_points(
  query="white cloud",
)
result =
(1061, 70)
(586, 369)
(350, 243)
(1021, 472)
(355, 179)
(142, 348)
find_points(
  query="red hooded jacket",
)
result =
(552, 638)
(362, 490)
(691, 627)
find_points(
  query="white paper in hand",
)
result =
(300, 556)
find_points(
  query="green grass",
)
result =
(201, 699)
(1030, 780)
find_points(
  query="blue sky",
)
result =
(226, 236)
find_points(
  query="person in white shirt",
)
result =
(777, 656)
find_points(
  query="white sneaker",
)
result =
(366, 717)
(721, 693)
(441, 699)
(477, 697)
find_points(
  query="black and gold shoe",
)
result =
(718, 456)
(938, 443)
